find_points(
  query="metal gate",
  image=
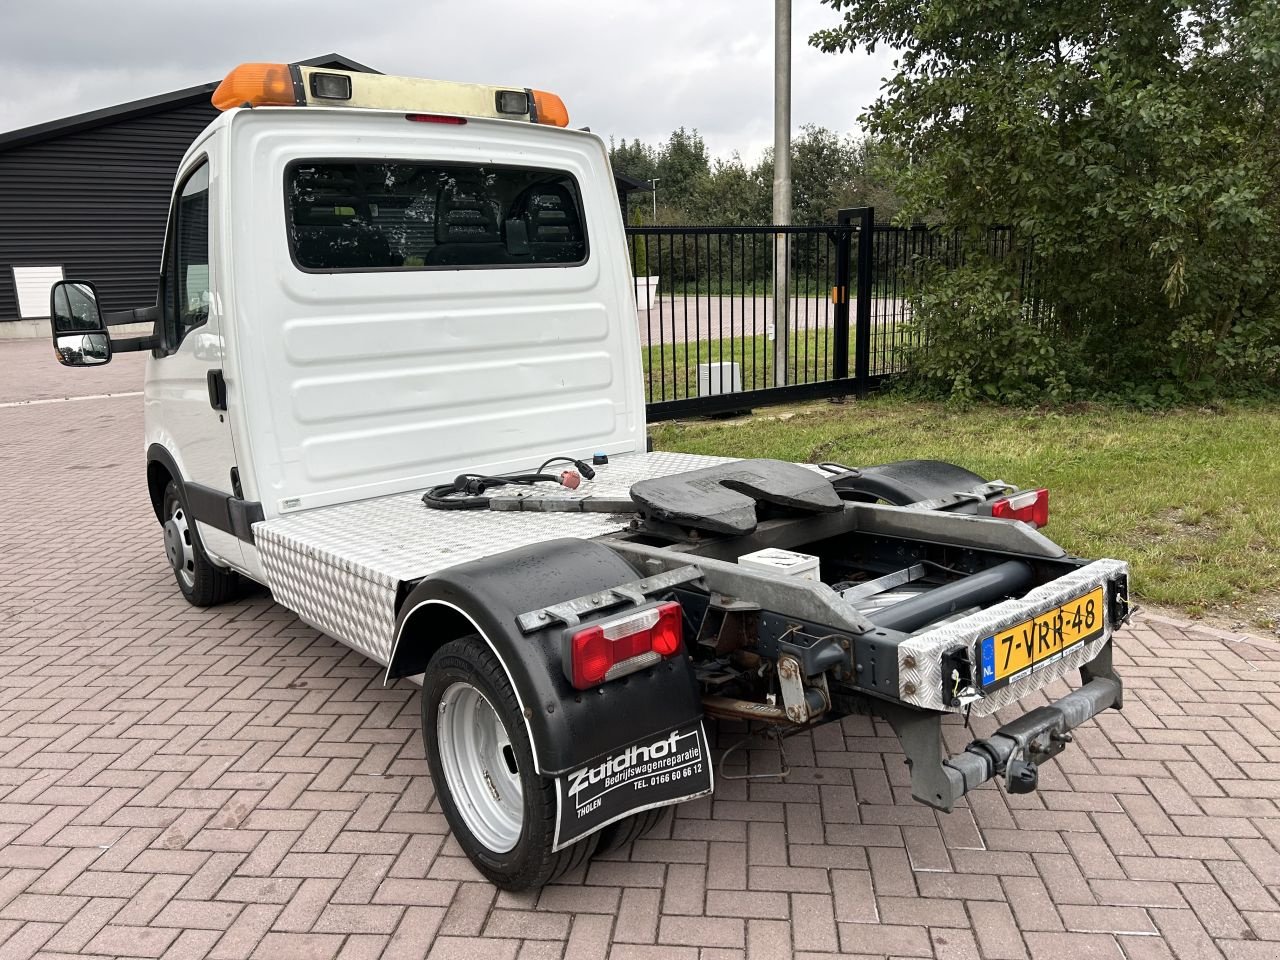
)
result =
(726, 325)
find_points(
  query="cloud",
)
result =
(625, 69)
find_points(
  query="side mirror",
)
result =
(80, 337)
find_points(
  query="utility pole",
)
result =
(653, 185)
(781, 185)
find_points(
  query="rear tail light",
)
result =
(613, 648)
(1030, 506)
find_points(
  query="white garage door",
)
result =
(33, 285)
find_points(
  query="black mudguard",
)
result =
(568, 727)
(906, 481)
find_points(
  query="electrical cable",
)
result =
(466, 492)
(584, 468)
(444, 496)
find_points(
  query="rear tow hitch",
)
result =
(1013, 751)
(1021, 776)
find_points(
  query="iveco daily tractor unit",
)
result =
(395, 376)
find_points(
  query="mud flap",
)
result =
(653, 772)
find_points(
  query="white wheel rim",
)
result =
(480, 767)
(178, 546)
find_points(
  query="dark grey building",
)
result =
(87, 197)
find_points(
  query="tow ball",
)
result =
(1021, 776)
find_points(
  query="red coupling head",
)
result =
(570, 479)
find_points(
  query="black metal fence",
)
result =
(714, 323)
(718, 333)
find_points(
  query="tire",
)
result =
(203, 583)
(501, 811)
(629, 829)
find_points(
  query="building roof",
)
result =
(141, 108)
(632, 184)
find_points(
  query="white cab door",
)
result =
(180, 411)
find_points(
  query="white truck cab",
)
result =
(368, 293)
(395, 376)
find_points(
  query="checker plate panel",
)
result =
(339, 568)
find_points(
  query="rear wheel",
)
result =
(202, 582)
(501, 810)
(629, 829)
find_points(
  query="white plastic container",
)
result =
(646, 292)
(717, 378)
(785, 563)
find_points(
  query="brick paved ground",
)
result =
(178, 783)
(28, 371)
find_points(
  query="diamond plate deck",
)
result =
(339, 568)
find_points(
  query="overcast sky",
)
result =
(634, 69)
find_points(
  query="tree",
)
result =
(733, 194)
(829, 171)
(684, 166)
(1134, 142)
(634, 159)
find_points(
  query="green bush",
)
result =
(975, 339)
(1136, 143)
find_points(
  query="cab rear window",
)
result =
(408, 215)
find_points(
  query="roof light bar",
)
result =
(331, 86)
(256, 84)
(550, 109)
(295, 85)
(512, 102)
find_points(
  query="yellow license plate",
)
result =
(1021, 649)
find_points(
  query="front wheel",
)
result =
(201, 582)
(501, 811)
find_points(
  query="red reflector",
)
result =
(613, 648)
(591, 657)
(434, 118)
(1030, 506)
(668, 632)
